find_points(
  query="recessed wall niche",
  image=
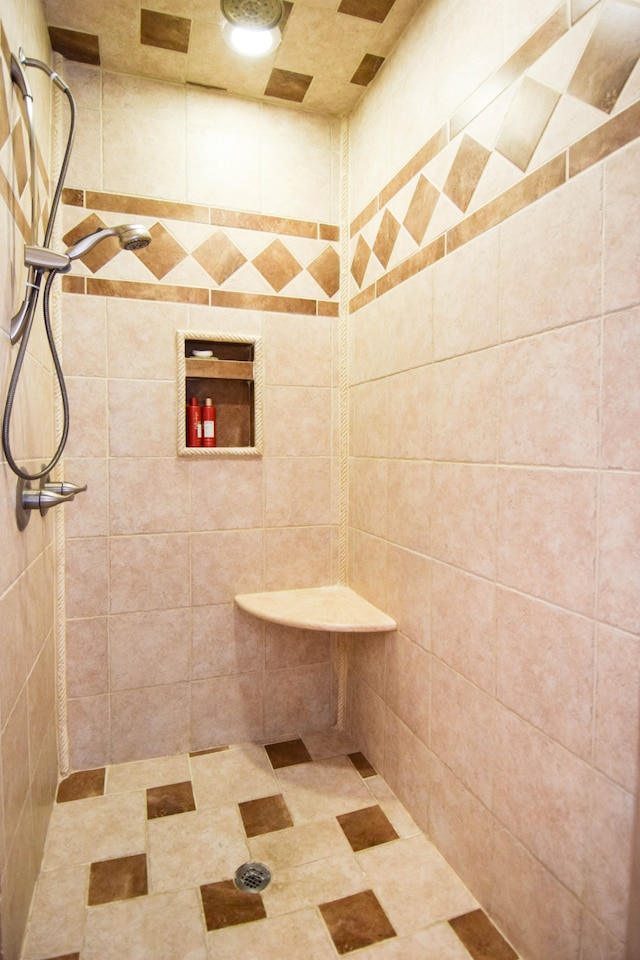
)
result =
(227, 370)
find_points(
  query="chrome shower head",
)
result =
(132, 236)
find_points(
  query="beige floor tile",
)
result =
(58, 912)
(313, 883)
(439, 942)
(315, 791)
(141, 774)
(395, 811)
(168, 926)
(414, 884)
(300, 934)
(190, 849)
(328, 743)
(241, 773)
(96, 829)
(311, 841)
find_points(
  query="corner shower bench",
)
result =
(337, 609)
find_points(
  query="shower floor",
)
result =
(140, 859)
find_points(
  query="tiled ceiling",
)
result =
(330, 50)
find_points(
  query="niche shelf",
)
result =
(233, 378)
(338, 609)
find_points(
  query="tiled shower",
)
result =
(450, 351)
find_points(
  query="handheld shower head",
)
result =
(132, 236)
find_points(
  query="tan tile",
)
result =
(135, 585)
(149, 721)
(5, 123)
(481, 938)
(141, 774)
(360, 260)
(118, 879)
(464, 514)
(368, 68)
(219, 256)
(311, 883)
(425, 154)
(161, 653)
(88, 721)
(74, 45)
(241, 773)
(277, 265)
(287, 85)
(267, 224)
(386, 238)
(226, 906)
(413, 265)
(325, 270)
(435, 892)
(170, 799)
(163, 254)
(333, 742)
(463, 631)
(146, 207)
(438, 942)
(197, 847)
(87, 657)
(617, 554)
(298, 698)
(620, 401)
(363, 217)
(305, 843)
(165, 925)
(56, 924)
(617, 706)
(303, 932)
(133, 290)
(525, 122)
(421, 207)
(609, 58)
(376, 10)
(580, 7)
(621, 236)
(356, 921)
(265, 815)
(101, 254)
(466, 170)
(227, 709)
(81, 785)
(165, 31)
(96, 828)
(314, 791)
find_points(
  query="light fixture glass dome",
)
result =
(251, 41)
(251, 26)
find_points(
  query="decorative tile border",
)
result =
(524, 132)
(228, 258)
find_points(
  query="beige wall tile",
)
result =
(408, 504)
(463, 524)
(297, 491)
(133, 406)
(408, 684)
(154, 162)
(224, 564)
(87, 578)
(409, 426)
(617, 706)
(227, 710)
(149, 649)
(409, 593)
(149, 722)
(84, 336)
(88, 722)
(148, 573)
(140, 504)
(406, 767)
(287, 432)
(464, 408)
(87, 657)
(368, 658)
(297, 557)
(226, 494)
(88, 425)
(89, 514)
(141, 342)
(367, 720)
(297, 350)
(289, 647)
(620, 401)
(225, 640)
(368, 497)
(618, 556)
(297, 699)
(368, 429)
(463, 624)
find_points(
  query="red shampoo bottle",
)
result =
(208, 423)
(194, 423)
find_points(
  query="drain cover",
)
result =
(252, 877)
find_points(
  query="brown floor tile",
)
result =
(265, 815)
(67, 956)
(167, 800)
(287, 753)
(225, 906)
(362, 765)
(118, 879)
(366, 828)
(481, 938)
(203, 753)
(80, 785)
(356, 921)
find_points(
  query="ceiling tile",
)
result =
(369, 66)
(163, 30)
(82, 47)
(375, 10)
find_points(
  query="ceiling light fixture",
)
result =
(251, 26)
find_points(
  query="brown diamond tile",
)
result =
(480, 937)
(369, 66)
(5, 123)
(287, 753)
(225, 906)
(375, 10)
(100, 255)
(219, 257)
(423, 203)
(325, 270)
(386, 238)
(80, 785)
(362, 765)
(165, 31)
(287, 85)
(277, 265)
(20, 157)
(366, 828)
(360, 260)
(81, 47)
(265, 815)
(465, 172)
(203, 753)
(163, 253)
(167, 800)
(118, 879)
(356, 921)
(526, 121)
(609, 57)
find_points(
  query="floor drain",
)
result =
(252, 877)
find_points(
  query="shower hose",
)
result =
(33, 290)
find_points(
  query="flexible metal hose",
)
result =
(15, 376)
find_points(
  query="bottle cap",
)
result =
(193, 402)
(208, 402)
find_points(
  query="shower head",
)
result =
(132, 236)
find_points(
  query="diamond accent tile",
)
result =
(356, 921)
(165, 801)
(119, 879)
(466, 170)
(526, 121)
(163, 253)
(219, 256)
(287, 85)
(165, 31)
(277, 265)
(100, 255)
(386, 238)
(265, 815)
(81, 785)
(325, 270)
(360, 260)
(369, 66)
(367, 828)
(421, 207)
(225, 906)
(287, 753)
(481, 938)
(609, 57)
(74, 45)
(362, 765)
